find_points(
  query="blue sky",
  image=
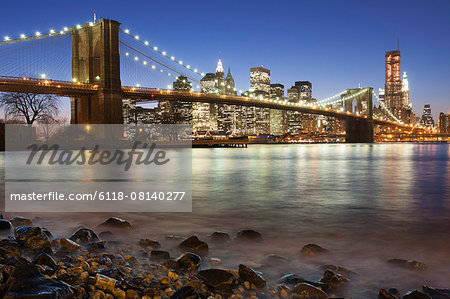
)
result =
(333, 44)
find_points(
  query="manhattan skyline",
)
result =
(333, 45)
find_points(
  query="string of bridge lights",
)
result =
(39, 34)
(385, 108)
(344, 98)
(163, 53)
(152, 66)
(332, 97)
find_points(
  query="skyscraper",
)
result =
(405, 90)
(182, 111)
(260, 81)
(444, 123)
(427, 117)
(278, 121)
(393, 83)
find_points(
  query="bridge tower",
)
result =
(95, 60)
(360, 130)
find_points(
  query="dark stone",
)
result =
(415, 294)
(96, 246)
(27, 282)
(31, 238)
(47, 233)
(43, 258)
(338, 269)
(115, 273)
(105, 261)
(307, 291)
(69, 244)
(276, 259)
(149, 243)
(193, 244)
(106, 235)
(436, 293)
(408, 264)
(388, 294)
(218, 279)
(248, 274)
(312, 250)
(220, 237)
(248, 235)
(189, 261)
(116, 224)
(68, 278)
(159, 255)
(21, 221)
(293, 279)
(333, 279)
(5, 225)
(84, 236)
(186, 292)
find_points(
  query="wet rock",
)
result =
(333, 279)
(96, 246)
(115, 273)
(193, 244)
(307, 291)
(149, 243)
(84, 236)
(293, 279)
(5, 226)
(283, 291)
(116, 224)
(32, 238)
(338, 269)
(275, 259)
(186, 292)
(43, 258)
(215, 260)
(415, 294)
(47, 233)
(68, 278)
(388, 294)
(312, 250)
(105, 261)
(159, 255)
(105, 283)
(21, 221)
(189, 261)
(218, 279)
(248, 235)
(220, 237)
(27, 282)
(408, 264)
(69, 244)
(248, 274)
(436, 293)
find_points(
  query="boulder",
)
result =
(159, 255)
(248, 235)
(189, 261)
(415, 294)
(218, 279)
(105, 283)
(193, 244)
(5, 226)
(44, 259)
(32, 238)
(21, 221)
(116, 223)
(69, 244)
(220, 237)
(84, 236)
(248, 274)
(333, 279)
(186, 292)
(388, 294)
(436, 293)
(294, 279)
(307, 291)
(312, 250)
(148, 243)
(408, 264)
(27, 282)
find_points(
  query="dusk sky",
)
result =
(333, 44)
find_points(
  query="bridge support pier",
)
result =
(359, 131)
(95, 60)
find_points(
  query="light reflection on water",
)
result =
(366, 203)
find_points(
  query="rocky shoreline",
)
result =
(34, 264)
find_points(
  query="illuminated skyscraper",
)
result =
(393, 83)
(278, 119)
(405, 90)
(427, 117)
(260, 81)
(444, 123)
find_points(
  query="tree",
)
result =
(32, 107)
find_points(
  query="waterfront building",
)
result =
(278, 118)
(260, 81)
(444, 123)
(427, 118)
(393, 82)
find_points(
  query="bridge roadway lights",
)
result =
(359, 130)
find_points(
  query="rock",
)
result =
(27, 282)
(312, 250)
(106, 235)
(115, 273)
(69, 244)
(32, 238)
(21, 221)
(293, 279)
(218, 279)
(248, 274)
(415, 294)
(215, 260)
(307, 291)
(283, 291)
(159, 255)
(95, 246)
(248, 235)
(220, 237)
(47, 233)
(333, 279)
(193, 244)
(436, 293)
(149, 243)
(105, 283)
(5, 226)
(186, 292)
(116, 224)
(43, 258)
(84, 236)
(275, 259)
(408, 264)
(189, 261)
(388, 294)
(132, 294)
(339, 269)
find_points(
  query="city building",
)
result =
(176, 112)
(427, 117)
(405, 90)
(278, 118)
(256, 120)
(444, 123)
(297, 122)
(260, 81)
(393, 80)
